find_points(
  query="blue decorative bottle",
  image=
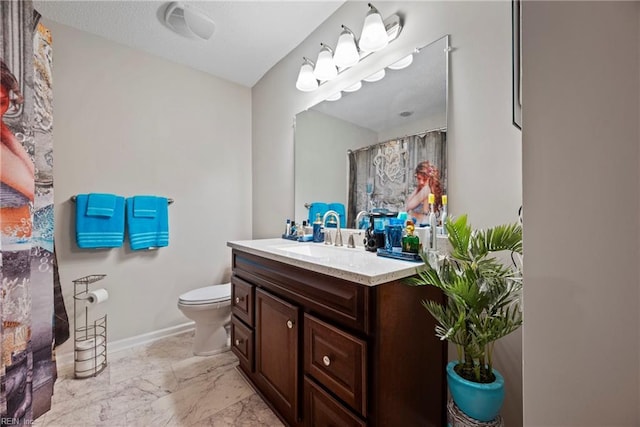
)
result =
(318, 234)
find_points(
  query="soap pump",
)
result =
(318, 234)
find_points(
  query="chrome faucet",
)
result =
(338, 233)
(360, 215)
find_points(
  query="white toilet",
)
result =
(210, 309)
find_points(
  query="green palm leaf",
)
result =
(482, 293)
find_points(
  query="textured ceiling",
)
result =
(250, 36)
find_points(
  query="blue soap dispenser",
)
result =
(318, 234)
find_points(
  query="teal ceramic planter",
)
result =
(479, 401)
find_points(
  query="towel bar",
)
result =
(169, 200)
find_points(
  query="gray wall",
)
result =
(484, 147)
(581, 187)
(321, 143)
(129, 123)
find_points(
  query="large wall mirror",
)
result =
(407, 102)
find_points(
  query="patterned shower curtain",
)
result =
(387, 170)
(27, 365)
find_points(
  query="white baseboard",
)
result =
(66, 359)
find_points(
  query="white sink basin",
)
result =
(317, 250)
(314, 250)
(329, 255)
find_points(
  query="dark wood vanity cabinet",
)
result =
(324, 351)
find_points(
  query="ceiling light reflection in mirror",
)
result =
(406, 101)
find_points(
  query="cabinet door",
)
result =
(276, 345)
(321, 410)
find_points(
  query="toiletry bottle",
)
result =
(410, 242)
(294, 229)
(318, 235)
(443, 215)
(300, 232)
(287, 230)
(308, 229)
(433, 222)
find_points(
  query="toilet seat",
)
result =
(206, 295)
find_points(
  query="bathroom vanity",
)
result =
(330, 336)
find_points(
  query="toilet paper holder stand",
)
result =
(90, 337)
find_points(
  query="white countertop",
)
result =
(353, 264)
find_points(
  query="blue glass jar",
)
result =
(394, 235)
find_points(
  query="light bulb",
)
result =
(325, 68)
(346, 54)
(402, 63)
(306, 80)
(335, 96)
(378, 75)
(353, 87)
(374, 35)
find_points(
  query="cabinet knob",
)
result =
(289, 324)
(326, 360)
(238, 342)
(238, 299)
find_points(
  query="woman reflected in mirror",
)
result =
(16, 167)
(427, 178)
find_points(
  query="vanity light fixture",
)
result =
(325, 68)
(378, 75)
(188, 20)
(346, 54)
(349, 51)
(402, 63)
(306, 80)
(374, 34)
(335, 96)
(353, 87)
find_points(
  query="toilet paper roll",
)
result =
(98, 296)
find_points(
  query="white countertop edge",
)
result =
(259, 247)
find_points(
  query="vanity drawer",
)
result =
(242, 299)
(336, 360)
(322, 410)
(337, 299)
(242, 343)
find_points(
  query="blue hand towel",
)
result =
(317, 208)
(99, 231)
(144, 206)
(147, 232)
(100, 204)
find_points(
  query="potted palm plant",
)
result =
(482, 305)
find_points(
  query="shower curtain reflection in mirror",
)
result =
(403, 172)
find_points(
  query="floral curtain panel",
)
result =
(27, 366)
(383, 176)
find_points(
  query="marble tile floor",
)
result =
(159, 384)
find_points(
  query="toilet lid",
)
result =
(207, 295)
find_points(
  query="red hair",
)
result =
(433, 181)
